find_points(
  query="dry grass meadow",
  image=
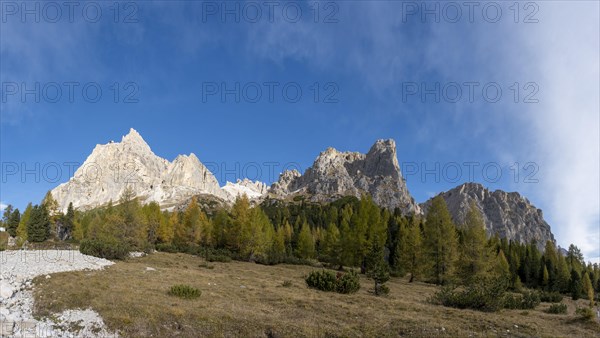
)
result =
(250, 300)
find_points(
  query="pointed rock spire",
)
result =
(335, 174)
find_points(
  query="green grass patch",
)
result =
(184, 291)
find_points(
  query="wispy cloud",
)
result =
(566, 123)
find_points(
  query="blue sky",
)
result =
(366, 70)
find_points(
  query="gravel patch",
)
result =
(18, 268)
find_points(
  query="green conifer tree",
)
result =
(474, 254)
(410, 251)
(278, 251)
(440, 242)
(575, 285)
(562, 275)
(331, 244)
(12, 223)
(377, 268)
(502, 269)
(38, 226)
(306, 244)
(587, 288)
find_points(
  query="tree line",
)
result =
(349, 232)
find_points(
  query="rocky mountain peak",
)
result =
(283, 184)
(384, 146)
(335, 174)
(134, 139)
(383, 159)
(508, 214)
(114, 166)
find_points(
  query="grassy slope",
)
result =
(246, 299)
(3, 240)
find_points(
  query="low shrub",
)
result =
(382, 290)
(164, 247)
(214, 255)
(322, 280)
(292, 260)
(287, 284)
(485, 294)
(511, 301)
(184, 291)
(211, 255)
(347, 282)
(557, 309)
(525, 301)
(585, 314)
(218, 258)
(551, 297)
(531, 300)
(325, 280)
(109, 249)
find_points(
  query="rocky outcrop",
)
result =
(253, 189)
(114, 166)
(508, 214)
(335, 174)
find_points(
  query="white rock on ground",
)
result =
(6, 290)
(17, 269)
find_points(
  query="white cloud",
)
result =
(566, 122)
(2, 206)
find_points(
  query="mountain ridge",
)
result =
(113, 166)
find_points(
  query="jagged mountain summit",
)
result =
(335, 174)
(508, 214)
(112, 167)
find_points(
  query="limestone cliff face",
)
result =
(508, 214)
(112, 167)
(335, 174)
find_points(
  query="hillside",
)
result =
(247, 299)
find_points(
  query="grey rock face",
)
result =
(335, 174)
(508, 214)
(285, 183)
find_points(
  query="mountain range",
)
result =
(115, 166)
